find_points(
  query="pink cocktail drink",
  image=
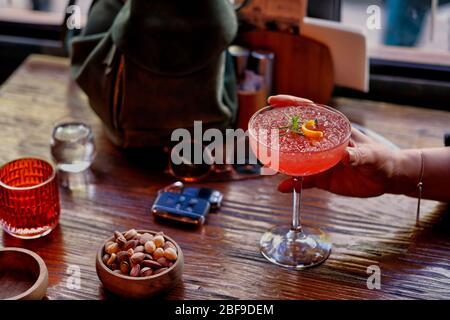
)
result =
(298, 141)
(297, 154)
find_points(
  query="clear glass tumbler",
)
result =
(72, 146)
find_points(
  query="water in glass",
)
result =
(72, 146)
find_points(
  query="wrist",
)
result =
(406, 173)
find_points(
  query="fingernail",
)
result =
(351, 156)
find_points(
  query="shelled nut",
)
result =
(130, 244)
(150, 246)
(145, 237)
(111, 259)
(139, 249)
(151, 264)
(135, 271)
(130, 234)
(169, 244)
(125, 267)
(105, 258)
(146, 271)
(159, 253)
(170, 254)
(122, 256)
(112, 248)
(137, 258)
(158, 240)
(120, 239)
(163, 261)
(148, 257)
(130, 252)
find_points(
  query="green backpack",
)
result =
(151, 66)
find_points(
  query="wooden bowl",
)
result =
(140, 287)
(23, 275)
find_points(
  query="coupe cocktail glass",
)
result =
(277, 139)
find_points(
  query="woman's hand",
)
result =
(370, 169)
(367, 169)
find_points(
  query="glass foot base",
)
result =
(33, 233)
(293, 249)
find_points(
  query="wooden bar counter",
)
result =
(222, 260)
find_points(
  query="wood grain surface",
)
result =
(222, 260)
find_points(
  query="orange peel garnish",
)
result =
(309, 133)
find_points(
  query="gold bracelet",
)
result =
(420, 187)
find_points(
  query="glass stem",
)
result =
(297, 195)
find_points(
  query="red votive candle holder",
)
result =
(29, 198)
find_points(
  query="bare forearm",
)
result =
(436, 173)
